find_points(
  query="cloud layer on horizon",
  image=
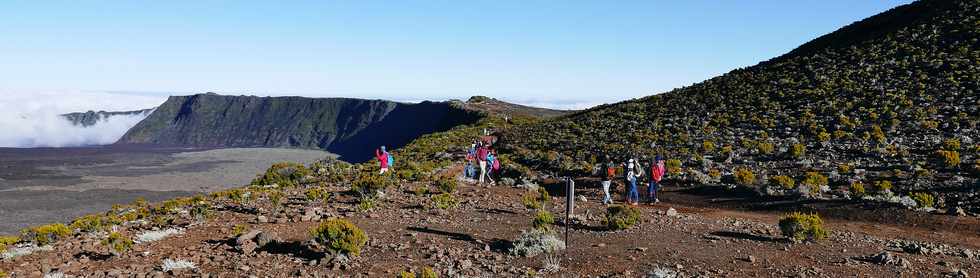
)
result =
(33, 119)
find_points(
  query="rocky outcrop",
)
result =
(351, 128)
(90, 118)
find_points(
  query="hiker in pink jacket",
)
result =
(657, 171)
(382, 156)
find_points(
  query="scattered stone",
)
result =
(671, 212)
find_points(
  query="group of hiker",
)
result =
(633, 171)
(482, 162)
(482, 158)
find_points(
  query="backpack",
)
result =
(496, 164)
(391, 160)
(610, 172)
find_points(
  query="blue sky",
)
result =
(553, 53)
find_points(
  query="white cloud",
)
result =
(33, 119)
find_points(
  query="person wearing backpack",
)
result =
(481, 158)
(382, 156)
(610, 174)
(657, 171)
(632, 174)
(491, 162)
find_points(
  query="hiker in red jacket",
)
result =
(481, 157)
(382, 156)
(657, 171)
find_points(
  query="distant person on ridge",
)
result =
(610, 174)
(382, 156)
(657, 171)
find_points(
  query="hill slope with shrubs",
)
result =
(891, 99)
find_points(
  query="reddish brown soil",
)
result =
(718, 238)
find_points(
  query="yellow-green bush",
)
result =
(317, 194)
(924, 200)
(784, 181)
(7, 241)
(857, 188)
(673, 166)
(621, 217)
(844, 168)
(814, 180)
(798, 150)
(284, 174)
(427, 272)
(406, 274)
(446, 184)
(951, 144)
(543, 220)
(802, 226)
(89, 223)
(950, 159)
(766, 148)
(708, 146)
(369, 184)
(46, 234)
(744, 176)
(444, 201)
(117, 243)
(883, 185)
(339, 236)
(239, 229)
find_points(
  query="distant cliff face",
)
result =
(351, 128)
(90, 118)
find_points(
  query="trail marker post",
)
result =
(569, 205)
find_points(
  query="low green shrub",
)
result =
(317, 194)
(284, 174)
(406, 274)
(923, 200)
(238, 230)
(537, 199)
(446, 184)
(444, 201)
(766, 148)
(783, 181)
(673, 166)
(949, 159)
(744, 176)
(427, 272)
(814, 180)
(798, 150)
(89, 223)
(117, 243)
(46, 234)
(369, 184)
(621, 217)
(543, 220)
(339, 236)
(857, 188)
(883, 186)
(7, 241)
(801, 226)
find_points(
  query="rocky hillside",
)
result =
(90, 118)
(495, 106)
(351, 128)
(885, 105)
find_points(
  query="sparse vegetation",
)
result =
(339, 236)
(621, 217)
(7, 241)
(239, 229)
(744, 176)
(536, 199)
(117, 243)
(444, 201)
(801, 226)
(923, 200)
(784, 181)
(317, 194)
(446, 184)
(283, 174)
(949, 159)
(46, 234)
(543, 220)
(883, 186)
(798, 151)
(814, 180)
(857, 188)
